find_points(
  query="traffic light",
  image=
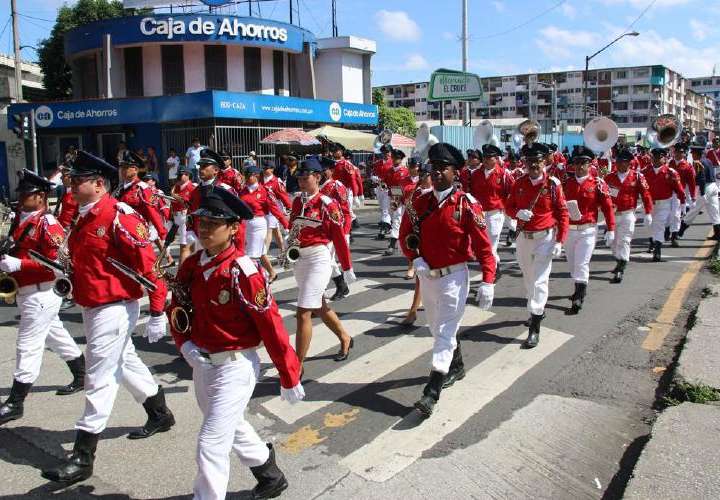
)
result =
(21, 128)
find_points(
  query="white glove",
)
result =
(609, 238)
(421, 267)
(648, 220)
(293, 395)
(485, 295)
(10, 264)
(155, 328)
(524, 215)
(557, 250)
(192, 354)
(349, 276)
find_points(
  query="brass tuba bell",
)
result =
(664, 131)
(412, 241)
(8, 288)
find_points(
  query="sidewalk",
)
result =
(681, 458)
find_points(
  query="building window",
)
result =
(279, 71)
(216, 67)
(620, 106)
(641, 105)
(621, 74)
(173, 69)
(641, 73)
(253, 70)
(87, 77)
(133, 71)
(639, 119)
(707, 82)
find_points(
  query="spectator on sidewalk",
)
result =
(192, 155)
(172, 163)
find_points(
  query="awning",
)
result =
(290, 137)
(401, 142)
(351, 139)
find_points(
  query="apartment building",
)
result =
(709, 86)
(631, 96)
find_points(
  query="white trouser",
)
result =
(579, 249)
(180, 219)
(676, 212)
(511, 223)
(444, 301)
(222, 393)
(661, 215)
(255, 231)
(312, 273)
(383, 199)
(624, 230)
(272, 221)
(350, 198)
(334, 264)
(110, 359)
(495, 221)
(40, 326)
(710, 202)
(535, 259)
(395, 220)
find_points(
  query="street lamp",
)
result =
(587, 63)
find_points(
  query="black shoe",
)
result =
(79, 466)
(391, 247)
(577, 299)
(651, 246)
(457, 368)
(529, 320)
(341, 289)
(160, 418)
(425, 405)
(618, 271)
(431, 394)
(271, 480)
(683, 228)
(666, 235)
(511, 235)
(342, 356)
(674, 240)
(77, 368)
(13, 407)
(716, 233)
(657, 252)
(355, 224)
(533, 338)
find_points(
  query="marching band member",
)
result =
(491, 185)
(515, 167)
(474, 158)
(34, 228)
(262, 203)
(233, 312)
(713, 153)
(379, 170)
(664, 183)
(157, 199)
(709, 191)
(626, 185)
(584, 195)
(687, 180)
(227, 174)
(182, 191)
(344, 172)
(110, 309)
(66, 208)
(395, 179)
(538, 203)
(276, 190)
(448, 229)
(313, 268)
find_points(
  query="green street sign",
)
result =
(451, 85)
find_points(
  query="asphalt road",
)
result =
(564, 420)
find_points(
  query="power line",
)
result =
(320, 28)
(523, 24)
(641, 15)
(4, 28)
(36, 18)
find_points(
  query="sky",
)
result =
(414, 37)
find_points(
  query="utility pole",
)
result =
(16, 45)
(466, 104)
(334, 19)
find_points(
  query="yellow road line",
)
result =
(664, 322)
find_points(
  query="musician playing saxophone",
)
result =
(36, 229)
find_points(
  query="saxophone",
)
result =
(412, 240)
(292, 252)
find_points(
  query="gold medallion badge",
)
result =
(142, 231)
(100, 232)
(224, 297)
(260, 298)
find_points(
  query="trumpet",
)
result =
(171, 199)
(9, 285)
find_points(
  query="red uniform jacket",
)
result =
(687, 175)
(395, 176)
(112, 229)
(68, 209)
(592, 194)
(559, 171)
(233, 309)
(381, 167)
(466, 176)
(337, 191)
(359, 182)
(664, 183)
(276, 188)
(139, 197)
(185, 192)
(327, 210)
(345, 172)
(451, 232)
(517, 172)
(491, 190)
(549, 211)
(162, 205)
(625, 194)
(45, 236)
(645, 161)
(714, 156)
(232, 178)
(262, 203)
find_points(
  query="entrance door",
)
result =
(108, 145)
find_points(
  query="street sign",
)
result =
(451, 85)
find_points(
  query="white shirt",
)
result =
(173, 162)
(193, 155)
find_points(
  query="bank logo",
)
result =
(335, 112)
(43, 116)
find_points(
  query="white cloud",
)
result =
(397, 25)
(568, 10)
(499, 6)
(449, 36)
(699, 30)
(641, 4)
(557, 43)
(415, 62)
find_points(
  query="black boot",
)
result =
(577, 298)
(657, 251)
(457, 368)
(651, 246)
(683, 228)
(498, 271)
(160, 418)
(674, 240)
(12, 408)
(533, 331)
(355, 224)
(271, 480)
(431, 394)
(79, 466)
(529, 320)
(511, 235)
(716, 232)
(618, 271)
(341, 288)
(381, 231)
(666, 235)
(77, 368)
(391, 247)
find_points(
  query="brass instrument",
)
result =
(526, 132)
(664, 131)
(600, 134)
(8, 284)
(412, 240)
(181, 314)
(292, 252)
(63, 286)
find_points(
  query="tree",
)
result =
(399, 120)
(57, 76)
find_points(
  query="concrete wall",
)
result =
(236, 68)
(329, 75)
(152, 71)
(194, 61)
(268, 76)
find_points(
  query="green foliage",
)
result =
(692, 393)
(57, 76)
(399, 120)
(715, 266)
